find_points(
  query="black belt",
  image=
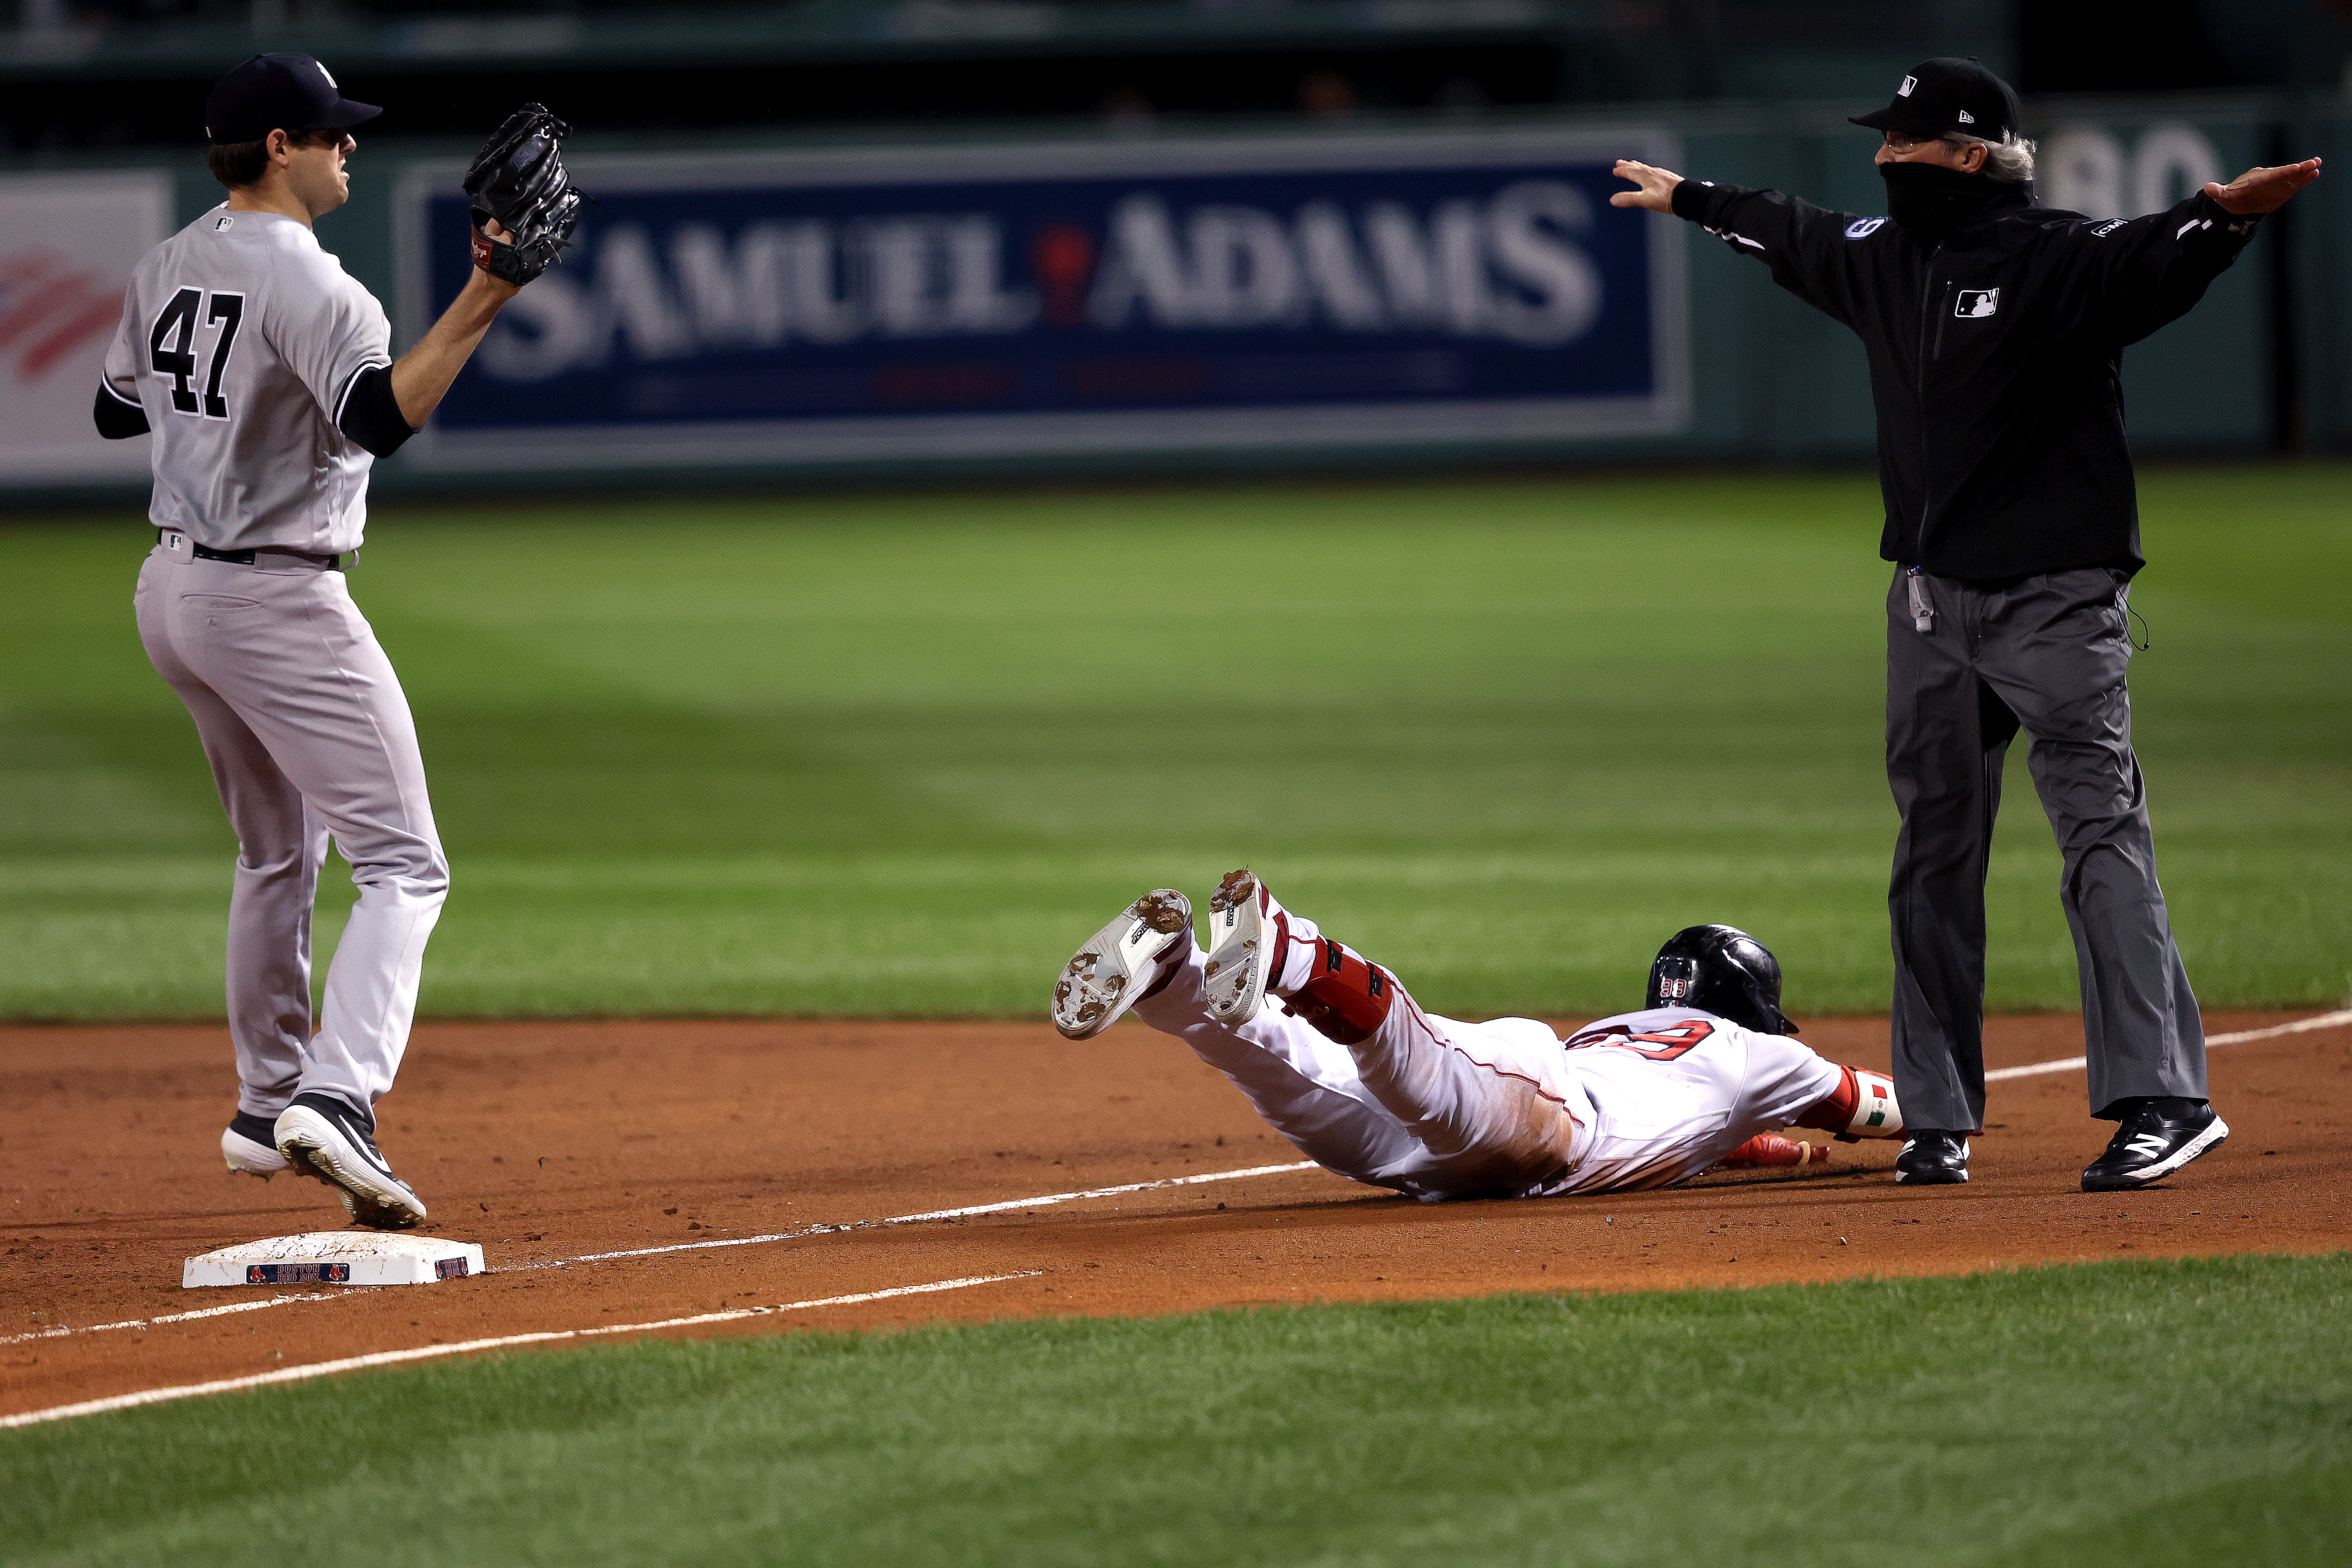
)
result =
(245, 557)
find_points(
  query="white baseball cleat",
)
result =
(327, 1138)
(1244, 931)
(251, 1147)
(1120, 962)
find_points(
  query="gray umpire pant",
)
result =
(2047, 653)
(308, 734)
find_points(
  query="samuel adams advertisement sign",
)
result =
(983, 302)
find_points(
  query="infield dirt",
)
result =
(548, 1142)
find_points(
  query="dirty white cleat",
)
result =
(1246, 932)
(1120, 962)
(321, 1136)
(251, 1147)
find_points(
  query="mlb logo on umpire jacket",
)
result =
(1977, 302)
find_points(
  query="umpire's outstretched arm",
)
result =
(2259, 190)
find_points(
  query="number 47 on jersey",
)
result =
(172, 347)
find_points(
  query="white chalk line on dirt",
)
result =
(423, 1352)
(2074, 1064)
(171, 1317)
(1046, 1202)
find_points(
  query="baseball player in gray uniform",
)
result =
(264, 375)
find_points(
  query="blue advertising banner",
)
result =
(979, 301)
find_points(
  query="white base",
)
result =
(336, 1257)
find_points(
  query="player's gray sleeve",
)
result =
(326, 329)
(118, 411)
(121, 369)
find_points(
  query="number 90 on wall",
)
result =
(2093, 171)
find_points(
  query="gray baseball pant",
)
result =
(308, 734)
(2046, 654)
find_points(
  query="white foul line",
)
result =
(423, 1353)
(1045, 1202)
(2323, 1021)
(173, 1317)
(1107, 1192)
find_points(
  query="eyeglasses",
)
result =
(1898, 143)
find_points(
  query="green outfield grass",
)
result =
(2150, 1414)
(897, 755)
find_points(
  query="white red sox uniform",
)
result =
(1340, 1059)
(240, 341)
(1437, 1107)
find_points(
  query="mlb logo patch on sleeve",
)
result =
(1977, 302)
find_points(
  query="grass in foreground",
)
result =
(2156, 1413)
(895, 755)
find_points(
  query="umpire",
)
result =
(1995, 329)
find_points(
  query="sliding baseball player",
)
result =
(1340, 1059)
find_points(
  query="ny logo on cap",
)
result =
(1908, 83)
(329, 75)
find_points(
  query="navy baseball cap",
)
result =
(279, 93)
(1947, 97)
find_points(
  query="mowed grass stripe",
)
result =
(893, 755)
(2148, 1411)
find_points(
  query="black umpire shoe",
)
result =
(2159, 1134)
(1930, 1158)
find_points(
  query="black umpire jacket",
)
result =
(1996, 355)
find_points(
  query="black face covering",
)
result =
(1931, 200)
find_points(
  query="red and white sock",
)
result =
(1335, 990)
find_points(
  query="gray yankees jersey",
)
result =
(240, 338)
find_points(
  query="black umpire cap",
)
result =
(279, 93)
(1947, 97)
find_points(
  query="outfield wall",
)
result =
(1439, 292)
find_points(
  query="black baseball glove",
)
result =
(518, 179)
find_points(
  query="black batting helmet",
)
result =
(1724, 971)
